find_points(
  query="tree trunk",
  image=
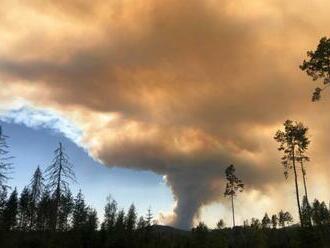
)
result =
(305, 187)
(233, 209)
(296, 184)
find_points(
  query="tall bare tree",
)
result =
(317, 66)
(233, 186)
(58, 175)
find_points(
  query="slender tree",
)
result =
(5, 158)
(130, 221)
(265, 222)
(110, 214)
(149, 217)
(58, 175)
(233, 186)
(24, 209)
(274, 221)
(317, 66)
(80, 212)
(10, 212)
(293, 143)
(36, 187)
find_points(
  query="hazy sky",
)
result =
(180, 89)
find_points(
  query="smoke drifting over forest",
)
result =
(181, 88)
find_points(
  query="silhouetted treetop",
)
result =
(318, 66)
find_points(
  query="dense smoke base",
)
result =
(179, 88)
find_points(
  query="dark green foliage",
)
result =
(5, 164)
(318, 66)
(24, 206)
(9, 217)
(266, 222)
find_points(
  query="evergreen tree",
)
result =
(59, 174)
(233, 186)
(5, 164)
(255, 223)
(44, 212)
(274, 221)
(92, 220)
(3, 201)
(131, 217)
(110, 214)
(306, 212)
(36, 187)
(65, 211)
(320, 213)
(10, 212)
(120, 221)
(221, 224)
(80, 212)
(292, 142)
(142, 224)
(284, 218)
(149, 217)
(24, 209)
(318, 66)
(265, 222)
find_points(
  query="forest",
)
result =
(46, 214)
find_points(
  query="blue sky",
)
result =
(35, 146)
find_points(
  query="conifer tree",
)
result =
(131, 217)
(44, 212)
(318, 66)
(221, 224)
(92, 220)
(79, 217)
(10, 212)
(149, 217)
(265, 222)
(141, 224)
(36, 187)
(24, 209)
(65, 211)
(233, 186)
(274, 221)
(59, 174)
(293, 142)
(110, 213)
(5, 158)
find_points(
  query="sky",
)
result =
(154, 99)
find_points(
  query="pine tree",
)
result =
(10, 212)
(65, 211)
(265, 222)
(233, 186)
(36, 187)
(141, 223)
(110, 214)
(59, 174)
(24, 209)
(274, 221)
(5, 158)
(149, 217)
(3, 201)
(221, 224)
(44, 212)
(92, 220)
(130, 221)
(292, 142)
(318, 66)
(79, 217)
